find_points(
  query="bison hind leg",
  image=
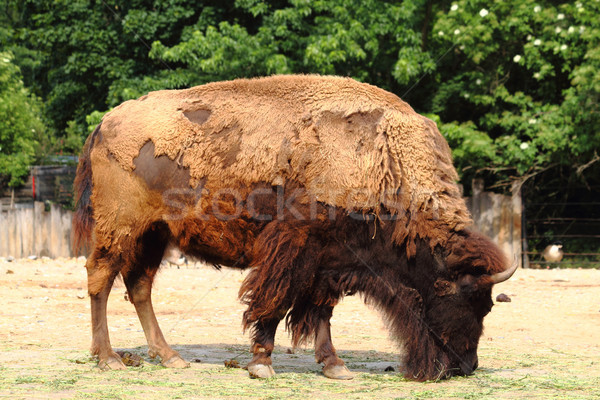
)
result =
(101, 275)
(138, 278)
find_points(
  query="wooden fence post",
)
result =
(38, 231)
(477, 188)
(12, 233)
(3, 232)
(26, 222)
(65, 223)
(55, 233)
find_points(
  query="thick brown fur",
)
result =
(349, 144)
(439, 335)
(324, 186)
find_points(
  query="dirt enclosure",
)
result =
(543, 344)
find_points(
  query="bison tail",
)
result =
(83, 219)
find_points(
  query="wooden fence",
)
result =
(499, 217)
(26, 231)
(40, 232)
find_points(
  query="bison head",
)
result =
(452, 302)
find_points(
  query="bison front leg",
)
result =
(333, 366)
(100, 281)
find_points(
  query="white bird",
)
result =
(553, 252)
(173, 255)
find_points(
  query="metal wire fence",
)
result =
(574, 226)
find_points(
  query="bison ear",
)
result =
(444, 288)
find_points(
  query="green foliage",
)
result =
(514, 85)
(372, 40)
(20, 124)
(525, 75)
(78, 48)
(471, 148)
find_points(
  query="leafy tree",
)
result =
(78, 48)
(375, 41)
(20, 124)
(520, 91)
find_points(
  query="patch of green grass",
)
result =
(543, 374)
(62, 383)
(424, 394)
(388, 378)
(541, 383)
(484, 394)
(151, 382)
(28, 380)
(108, 393)
(526, 364)
(84, 359)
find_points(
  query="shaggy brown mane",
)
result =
(292, 280)
(474, 253)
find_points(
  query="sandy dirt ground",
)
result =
(550, 330)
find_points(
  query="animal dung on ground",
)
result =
(129, 359)
(502, 298)
(231, 364)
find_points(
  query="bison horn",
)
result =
(506, 274)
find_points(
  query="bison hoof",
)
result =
(260, 371)
(337, 372)
(175, 362)
(112, 363)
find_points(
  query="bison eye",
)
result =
(467, 280)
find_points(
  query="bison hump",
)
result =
(349, 144)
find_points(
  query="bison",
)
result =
(323, 186)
